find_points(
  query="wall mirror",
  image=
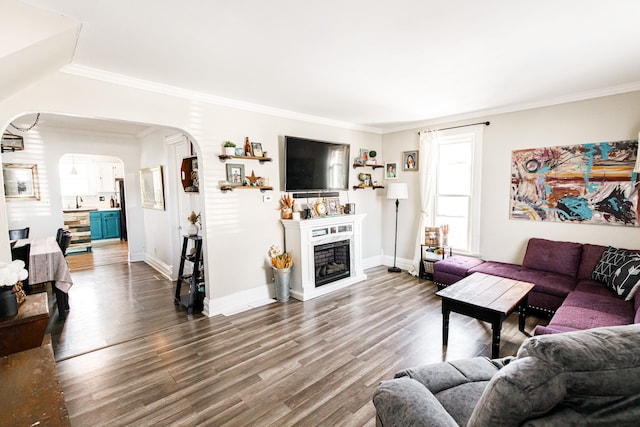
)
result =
(152, 188)
(20, 181)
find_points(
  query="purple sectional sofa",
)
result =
(562, 274)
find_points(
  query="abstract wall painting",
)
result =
(587, 183)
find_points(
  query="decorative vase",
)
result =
(286, 213)
(192, 230)
(8, 302)
(281, 277)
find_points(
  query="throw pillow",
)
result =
(626, 279)
(609, 263)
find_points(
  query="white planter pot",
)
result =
(192, 230)
(230, 151)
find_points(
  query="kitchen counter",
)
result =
(79, 210)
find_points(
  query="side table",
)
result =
(428, 257)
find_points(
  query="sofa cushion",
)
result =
(609, 261)
(625, 281)
(591, 254)
(545, 282)
(585, 371)
(552, 256)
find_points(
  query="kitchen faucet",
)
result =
(78, 204)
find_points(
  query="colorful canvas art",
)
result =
(587, 183)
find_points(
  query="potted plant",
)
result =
(195, 223)
(11, 293)
(229, 148)
(281, 263)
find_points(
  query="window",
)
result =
(458, 186)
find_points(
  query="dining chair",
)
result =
(19, 233)
(59, 235)
(65, 241)
(22, 252)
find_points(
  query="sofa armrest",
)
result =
(406, 402)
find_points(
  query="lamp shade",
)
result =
(398, 191)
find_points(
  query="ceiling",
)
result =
(374, 63)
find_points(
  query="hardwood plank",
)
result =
(127, 356)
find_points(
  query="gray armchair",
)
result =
(589, 377)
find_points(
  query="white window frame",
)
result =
(473, 135)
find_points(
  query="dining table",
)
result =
(47, 263)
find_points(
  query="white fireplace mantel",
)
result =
(300, 239)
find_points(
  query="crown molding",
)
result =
(146, 85)
(479, 114)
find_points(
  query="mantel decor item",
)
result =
(152, 187)
(286, 206)
(398, 191)
(281, 263)
(20, 181)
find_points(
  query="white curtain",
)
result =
(428, 156)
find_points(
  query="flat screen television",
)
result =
(312, 165)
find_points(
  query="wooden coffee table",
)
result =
(487, 298)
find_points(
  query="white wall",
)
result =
(603, 119)
(239, 226)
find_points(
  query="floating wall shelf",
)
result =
(225, 157)
(368, 166)
(226, 188)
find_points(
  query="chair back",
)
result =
(59, 235)
(19, 233)
(65, 241)
(22, 253)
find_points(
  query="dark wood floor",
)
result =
(127, 356)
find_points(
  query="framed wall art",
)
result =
(410, 160)
(152, 187)
(391, 171)
(586, 183)
(20, 181)
(256, 149)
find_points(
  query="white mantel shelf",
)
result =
(300, 239)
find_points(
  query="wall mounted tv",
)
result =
(312, 165)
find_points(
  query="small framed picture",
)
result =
(333, 206)
(391, 171)
(410, 160)
(256, 149)
(235, 174)
(364, 155)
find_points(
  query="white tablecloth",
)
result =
(47, 264)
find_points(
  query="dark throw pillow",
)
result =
(609, 263)
(625, 280)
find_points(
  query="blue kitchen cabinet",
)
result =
(105, 225)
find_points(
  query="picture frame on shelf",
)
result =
(235, 174)
(410, 160)
(256, 149)
(364, 155)
(391, 170)
(333, 205)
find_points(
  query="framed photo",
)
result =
(410, 160)
(333, 206)
(235, 174)
(391, 171)
(256, 149)
(364, 155)
(152, 188)
(21, 181)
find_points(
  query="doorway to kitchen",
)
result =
(94, 209)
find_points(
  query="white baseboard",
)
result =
(371, 262)
(164, 269)
(402, 263)
(137, 256)
(239, 301)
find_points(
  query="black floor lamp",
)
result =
(398, 191)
